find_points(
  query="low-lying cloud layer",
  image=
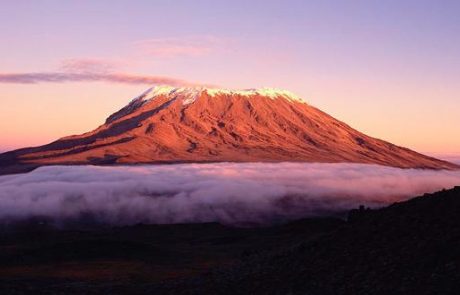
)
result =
(224, 192)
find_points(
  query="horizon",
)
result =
(389, 70)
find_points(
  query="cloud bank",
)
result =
(229, 193)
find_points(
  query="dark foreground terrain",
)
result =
(407, 248)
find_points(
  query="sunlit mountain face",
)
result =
(198, 124)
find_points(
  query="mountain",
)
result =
(167, 124)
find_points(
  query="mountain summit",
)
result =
(167, 124)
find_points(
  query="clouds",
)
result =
(88, 76)
(108, 70)
(90, 65)
(225, 192)
(191, 46)
(93, 70)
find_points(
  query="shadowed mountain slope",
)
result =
(411, 247)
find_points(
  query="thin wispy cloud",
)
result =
(64, 77)
(111, 70)
(192, 46)
(93, 70)
(91, 65)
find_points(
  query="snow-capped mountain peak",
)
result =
(190, 94)
(202, 124)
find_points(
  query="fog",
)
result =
(230, 193)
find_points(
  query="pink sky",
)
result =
(388, 69)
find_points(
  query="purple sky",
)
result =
(388, 68)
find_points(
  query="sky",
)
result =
(390, 69)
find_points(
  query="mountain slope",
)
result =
(168, 124)
(411, 247)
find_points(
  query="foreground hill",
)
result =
(407, 248)
(168, 124)
(411, 247)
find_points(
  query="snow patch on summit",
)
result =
(272, 93)
(190, 94)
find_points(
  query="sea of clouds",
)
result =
(230, 193)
